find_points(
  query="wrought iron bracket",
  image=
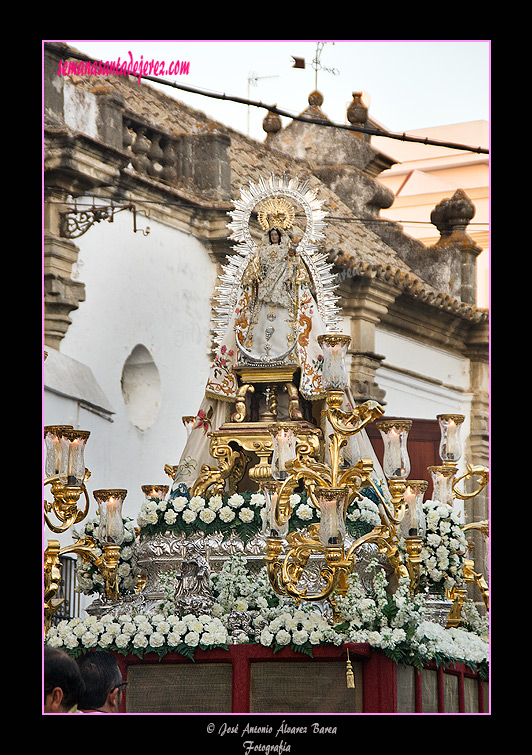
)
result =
(76, 222)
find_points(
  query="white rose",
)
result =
(189, 516)
(257, 499)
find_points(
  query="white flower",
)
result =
(191, 639)
(89, 639)
(241, 605)
(257, 499)
(300, 636)
(180, 503)
(197, 503)
(122, 640)
(189, 516)
(105, 639)
(295, 498)
(246, 515)
(215, 502)
(140, 640)
(226, 514)
(235, 500)
(170, 517)
(207, 515)
(304, 512)
(266, 637)
(282, 637)
(156, 640)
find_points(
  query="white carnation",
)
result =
(207, 515)
(226, 514)
(236, 500)
(246, 515)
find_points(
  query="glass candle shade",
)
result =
(72, 467)
(334, 376)
(443, 481)
(414, 519)
(396, 462)
(188, 421)
(111, 527)
(270, 526)
(155, 491)
(331, 502)
(450, 443)
(52, 442)
(284, 448)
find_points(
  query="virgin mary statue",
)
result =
(276, 297)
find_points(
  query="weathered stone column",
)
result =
(62, 294)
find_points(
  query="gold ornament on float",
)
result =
(276, 212)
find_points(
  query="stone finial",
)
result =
(357, 112)
(315, 99)
(452, 216)
(272, 124)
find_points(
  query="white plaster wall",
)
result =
(152, 290)
(422, 381)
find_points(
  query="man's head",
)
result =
(63, 683)
(103, 682)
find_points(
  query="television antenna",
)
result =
(252, 81)
(317, 66)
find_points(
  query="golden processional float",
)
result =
(281, 420)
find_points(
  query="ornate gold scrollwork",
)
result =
(232, 465)
(65, 503)
(472, 471)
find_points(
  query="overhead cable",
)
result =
(305, 119)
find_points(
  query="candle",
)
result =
(72, 466)
(52, 439)
(334, 373)
(331, 502)
(284, 449)
(410, 501)
(111, 528)
(450, 443)
(394, 435)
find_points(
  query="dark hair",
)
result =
(101, 675)
(60, 670)
(279, 231)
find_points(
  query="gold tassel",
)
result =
(349, 674)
